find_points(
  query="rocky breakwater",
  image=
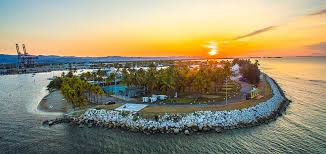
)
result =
(189, 122)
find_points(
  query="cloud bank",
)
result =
(321, 12)
(256, 32)
(269, 28)
(319, 46)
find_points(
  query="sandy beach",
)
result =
(54, 102)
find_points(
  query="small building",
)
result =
(154, 98)
(162, 97)
(100, 83)
(235, 69)
(254, 92)
(110, 70)
(145, 99)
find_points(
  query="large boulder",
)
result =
(175, 130)
(218, 129)
(200, 127)
(89, 125)
(205, 129)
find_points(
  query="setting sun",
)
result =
(212, 52)
(213, 47)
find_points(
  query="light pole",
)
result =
(115, 84)
(226, 91)
(265, 78)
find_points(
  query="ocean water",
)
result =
(301, 129)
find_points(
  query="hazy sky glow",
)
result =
(164, 27)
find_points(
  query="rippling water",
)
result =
(302, 129)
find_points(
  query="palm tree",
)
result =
(88, 88)
(70, 74)
(151, 80)
(88, 76)
(126, 77)
(217, 78)
(100, 92)
(108, 81)
(139, 79)
(93, 76)
(100, 75)
(112, 77)
(169, 80)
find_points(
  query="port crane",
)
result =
(25, 60)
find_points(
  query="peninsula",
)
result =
(169, 96)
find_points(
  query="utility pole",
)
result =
(226, 91)
(115, 83)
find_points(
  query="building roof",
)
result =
(255, 90)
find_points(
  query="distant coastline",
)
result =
(54, 59)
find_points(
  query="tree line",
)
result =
(178, 79)
(77, 91)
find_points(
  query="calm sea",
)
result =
(302, 129)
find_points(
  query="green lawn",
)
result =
(180, 100)
(233, 89)
(151, 111)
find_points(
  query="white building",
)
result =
(235, 72)
(235, 69)
(145, 99)
(154, 98)
(162, 97)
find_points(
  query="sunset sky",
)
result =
(164, 27)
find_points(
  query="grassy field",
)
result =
(184, 100)
(151, 111)
(233, 89)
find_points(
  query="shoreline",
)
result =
(187, 123)
(53, 102)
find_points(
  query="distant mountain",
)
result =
(7, 59)
(11, 59)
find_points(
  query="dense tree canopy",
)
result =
(181, 78)
(76, 90)
(178, 78)
(249, 70)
